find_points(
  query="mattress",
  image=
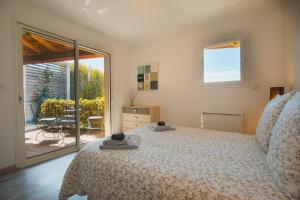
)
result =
(186, 163)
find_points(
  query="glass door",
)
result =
(63, 95)
(49, 93)
(92, 94)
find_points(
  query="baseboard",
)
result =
(8, 169)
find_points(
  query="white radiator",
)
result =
(223, 121)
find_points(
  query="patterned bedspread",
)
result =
(187, 163)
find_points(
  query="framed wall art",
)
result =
(147, 77)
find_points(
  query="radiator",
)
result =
(223, 121)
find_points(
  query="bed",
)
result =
(186, 163)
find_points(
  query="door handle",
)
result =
(20, 98)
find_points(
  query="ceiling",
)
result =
(136, 21)
(38, 48)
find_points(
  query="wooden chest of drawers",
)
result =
(139, 116)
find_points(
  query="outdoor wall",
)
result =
(32, 81)
(180, 56)
(42, 19)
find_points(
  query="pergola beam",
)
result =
(30, 46)
(44, 42)
(58, 56)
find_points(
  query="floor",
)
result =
(39, 182)
(37, 142)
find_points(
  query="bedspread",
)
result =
(186, 163)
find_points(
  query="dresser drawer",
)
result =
(136, 117)
(135, 110)
(139, 116)
(131, 124)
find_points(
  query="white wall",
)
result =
(179, 56)
(293, 43)
(37, 17)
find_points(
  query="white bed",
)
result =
(187, 163)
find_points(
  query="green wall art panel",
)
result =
(147, 77)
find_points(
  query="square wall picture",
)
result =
(140, 77)
(147, 77)
(141, 70)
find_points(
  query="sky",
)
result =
(222, 65)
(97, 63)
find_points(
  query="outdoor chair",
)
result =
(90, 121)
(67, 122)
(47, 124)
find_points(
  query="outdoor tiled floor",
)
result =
(38, 143)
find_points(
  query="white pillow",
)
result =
(283, 156)
(269, 118)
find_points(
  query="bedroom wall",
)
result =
(293, 43)
(179, 56)
(44, 20)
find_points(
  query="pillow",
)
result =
(283, 156)
(268, 120)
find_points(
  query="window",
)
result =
(222, 63)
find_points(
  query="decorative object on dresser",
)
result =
(139, 116)
(132, 96)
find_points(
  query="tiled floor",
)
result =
(38, 143)
(39, 182)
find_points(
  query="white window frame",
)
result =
(243, 66)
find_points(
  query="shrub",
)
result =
(46, 90)
(91, 82)
(56, 108)
(93, 107)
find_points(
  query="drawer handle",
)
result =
(134, 110)
(135, 116)
(136, 125)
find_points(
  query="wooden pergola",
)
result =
(231, 44)
(43, 49)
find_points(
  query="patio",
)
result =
(37, 142)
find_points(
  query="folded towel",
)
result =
(116, 142)
(129, 142)
(166, 127)
(128, 147)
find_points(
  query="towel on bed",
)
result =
(166, 127)
(129, 142)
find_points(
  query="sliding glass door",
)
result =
(48, 85)
(91, 94)
(64, 95)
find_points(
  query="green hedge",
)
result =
(56, 108)
(91, 108)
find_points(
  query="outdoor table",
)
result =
(47, 120)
